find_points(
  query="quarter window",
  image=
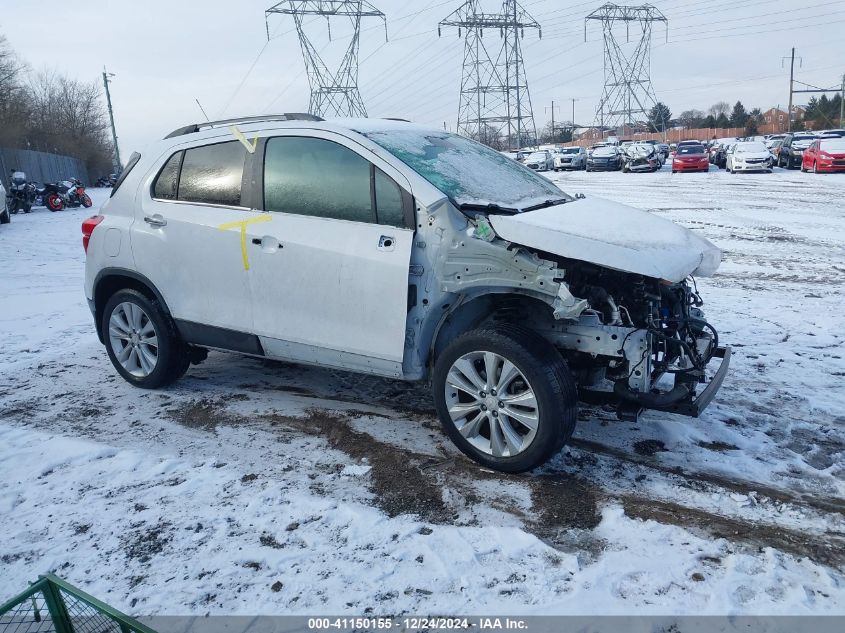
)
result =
(167, 184)
(212, 174)
(312, 176)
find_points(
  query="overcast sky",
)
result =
(166, 54)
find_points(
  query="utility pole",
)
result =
(116, 158)
(573, 111)
(791, 79)
(842, 101)
(554, 134)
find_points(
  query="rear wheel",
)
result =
(142, 341)
(5, 218)
(54, 202)
(505, 397)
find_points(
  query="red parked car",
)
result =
(690, 158)
(824, 155)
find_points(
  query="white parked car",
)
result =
(570, 158)
(540, 161)
(748, 156)
(385, 248)
(5, 216)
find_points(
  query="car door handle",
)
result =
(386, 243)
(155, 220)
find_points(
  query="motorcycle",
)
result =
(640, 157)
(67, 193)
(21, 194)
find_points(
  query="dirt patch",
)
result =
(206, 414)
(649, 448)
(828, 550)
(719, 447)
(397, 482)
(564, 501)
(145, 542)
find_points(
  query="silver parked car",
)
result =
(570, 158)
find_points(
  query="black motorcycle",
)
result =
(21, 194)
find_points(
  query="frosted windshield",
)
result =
(468, 172)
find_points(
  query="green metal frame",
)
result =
(53, 590)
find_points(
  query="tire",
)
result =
(539, 370)
(54, 202)
(674, 171)
(170, 358)
(5, 218)
(86, 201)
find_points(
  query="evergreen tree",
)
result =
(739, 117)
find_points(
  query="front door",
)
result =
(178, 244)
(329, 272)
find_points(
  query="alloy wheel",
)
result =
(133, 339)
(492, 404)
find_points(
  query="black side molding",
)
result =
(218, 337)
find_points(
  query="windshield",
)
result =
(537, 156)
(691, 149)
(833, 145)
(743, 148)
(570, 150)
(468, 172)
(803, 140)
(607, 150)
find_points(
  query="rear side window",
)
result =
(167, 184)
(133, 160)
(212, 174)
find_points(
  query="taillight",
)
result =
(88, 227)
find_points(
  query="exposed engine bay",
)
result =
(642, 343)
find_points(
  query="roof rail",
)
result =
(288, 116)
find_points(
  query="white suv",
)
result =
(380, 247)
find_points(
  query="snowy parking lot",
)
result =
(259, 487)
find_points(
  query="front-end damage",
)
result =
(632, 340)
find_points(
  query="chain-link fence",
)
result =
(50, 605)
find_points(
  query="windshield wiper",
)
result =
(490, 208)
(547, 203)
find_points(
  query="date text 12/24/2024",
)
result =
(417, 624)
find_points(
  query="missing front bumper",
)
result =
(680, 400)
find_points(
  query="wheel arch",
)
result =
(501, 306)
(111, 280)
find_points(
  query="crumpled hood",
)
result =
(613, 235)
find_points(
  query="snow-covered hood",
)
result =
(613, 235)
(753, 155)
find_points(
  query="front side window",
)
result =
(212, 174)
(316, 177)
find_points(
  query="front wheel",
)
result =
(86, 201)
(141, 340)
(505, 397)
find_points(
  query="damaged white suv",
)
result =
(380, 247)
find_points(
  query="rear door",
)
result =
(329, 271)
(178, 244)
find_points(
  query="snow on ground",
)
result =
(258, 487)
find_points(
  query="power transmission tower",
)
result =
(333, 93)
(627, 77)
(494, 90)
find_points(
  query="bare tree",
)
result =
(13, 106)
(691, 118)
(718, 109)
